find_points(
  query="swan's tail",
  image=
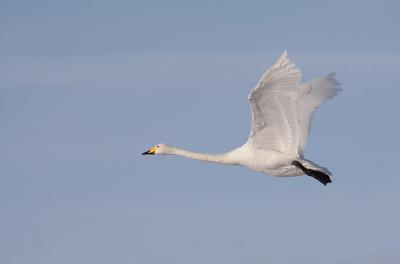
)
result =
(319, 175)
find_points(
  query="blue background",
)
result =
(87, 86)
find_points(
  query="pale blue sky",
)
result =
(86, 87)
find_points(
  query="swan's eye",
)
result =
(158, 146)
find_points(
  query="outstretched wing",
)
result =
(310, 96)
(274, 112)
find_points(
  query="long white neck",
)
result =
(218, 158)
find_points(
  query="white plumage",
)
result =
(282, 112)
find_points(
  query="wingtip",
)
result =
(334, 81)
(280, 60)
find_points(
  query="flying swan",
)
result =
(282, 111)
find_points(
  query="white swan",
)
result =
(282, 112)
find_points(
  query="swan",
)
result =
(282, 112)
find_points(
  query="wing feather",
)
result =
(310, 96)
(274, 111)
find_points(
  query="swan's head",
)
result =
(160, 149)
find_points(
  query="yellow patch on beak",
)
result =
(151, 151)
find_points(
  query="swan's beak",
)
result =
(150, 152)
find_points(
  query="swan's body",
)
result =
(282, 111)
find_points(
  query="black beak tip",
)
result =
(145, 153)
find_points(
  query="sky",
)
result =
(87, 86)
